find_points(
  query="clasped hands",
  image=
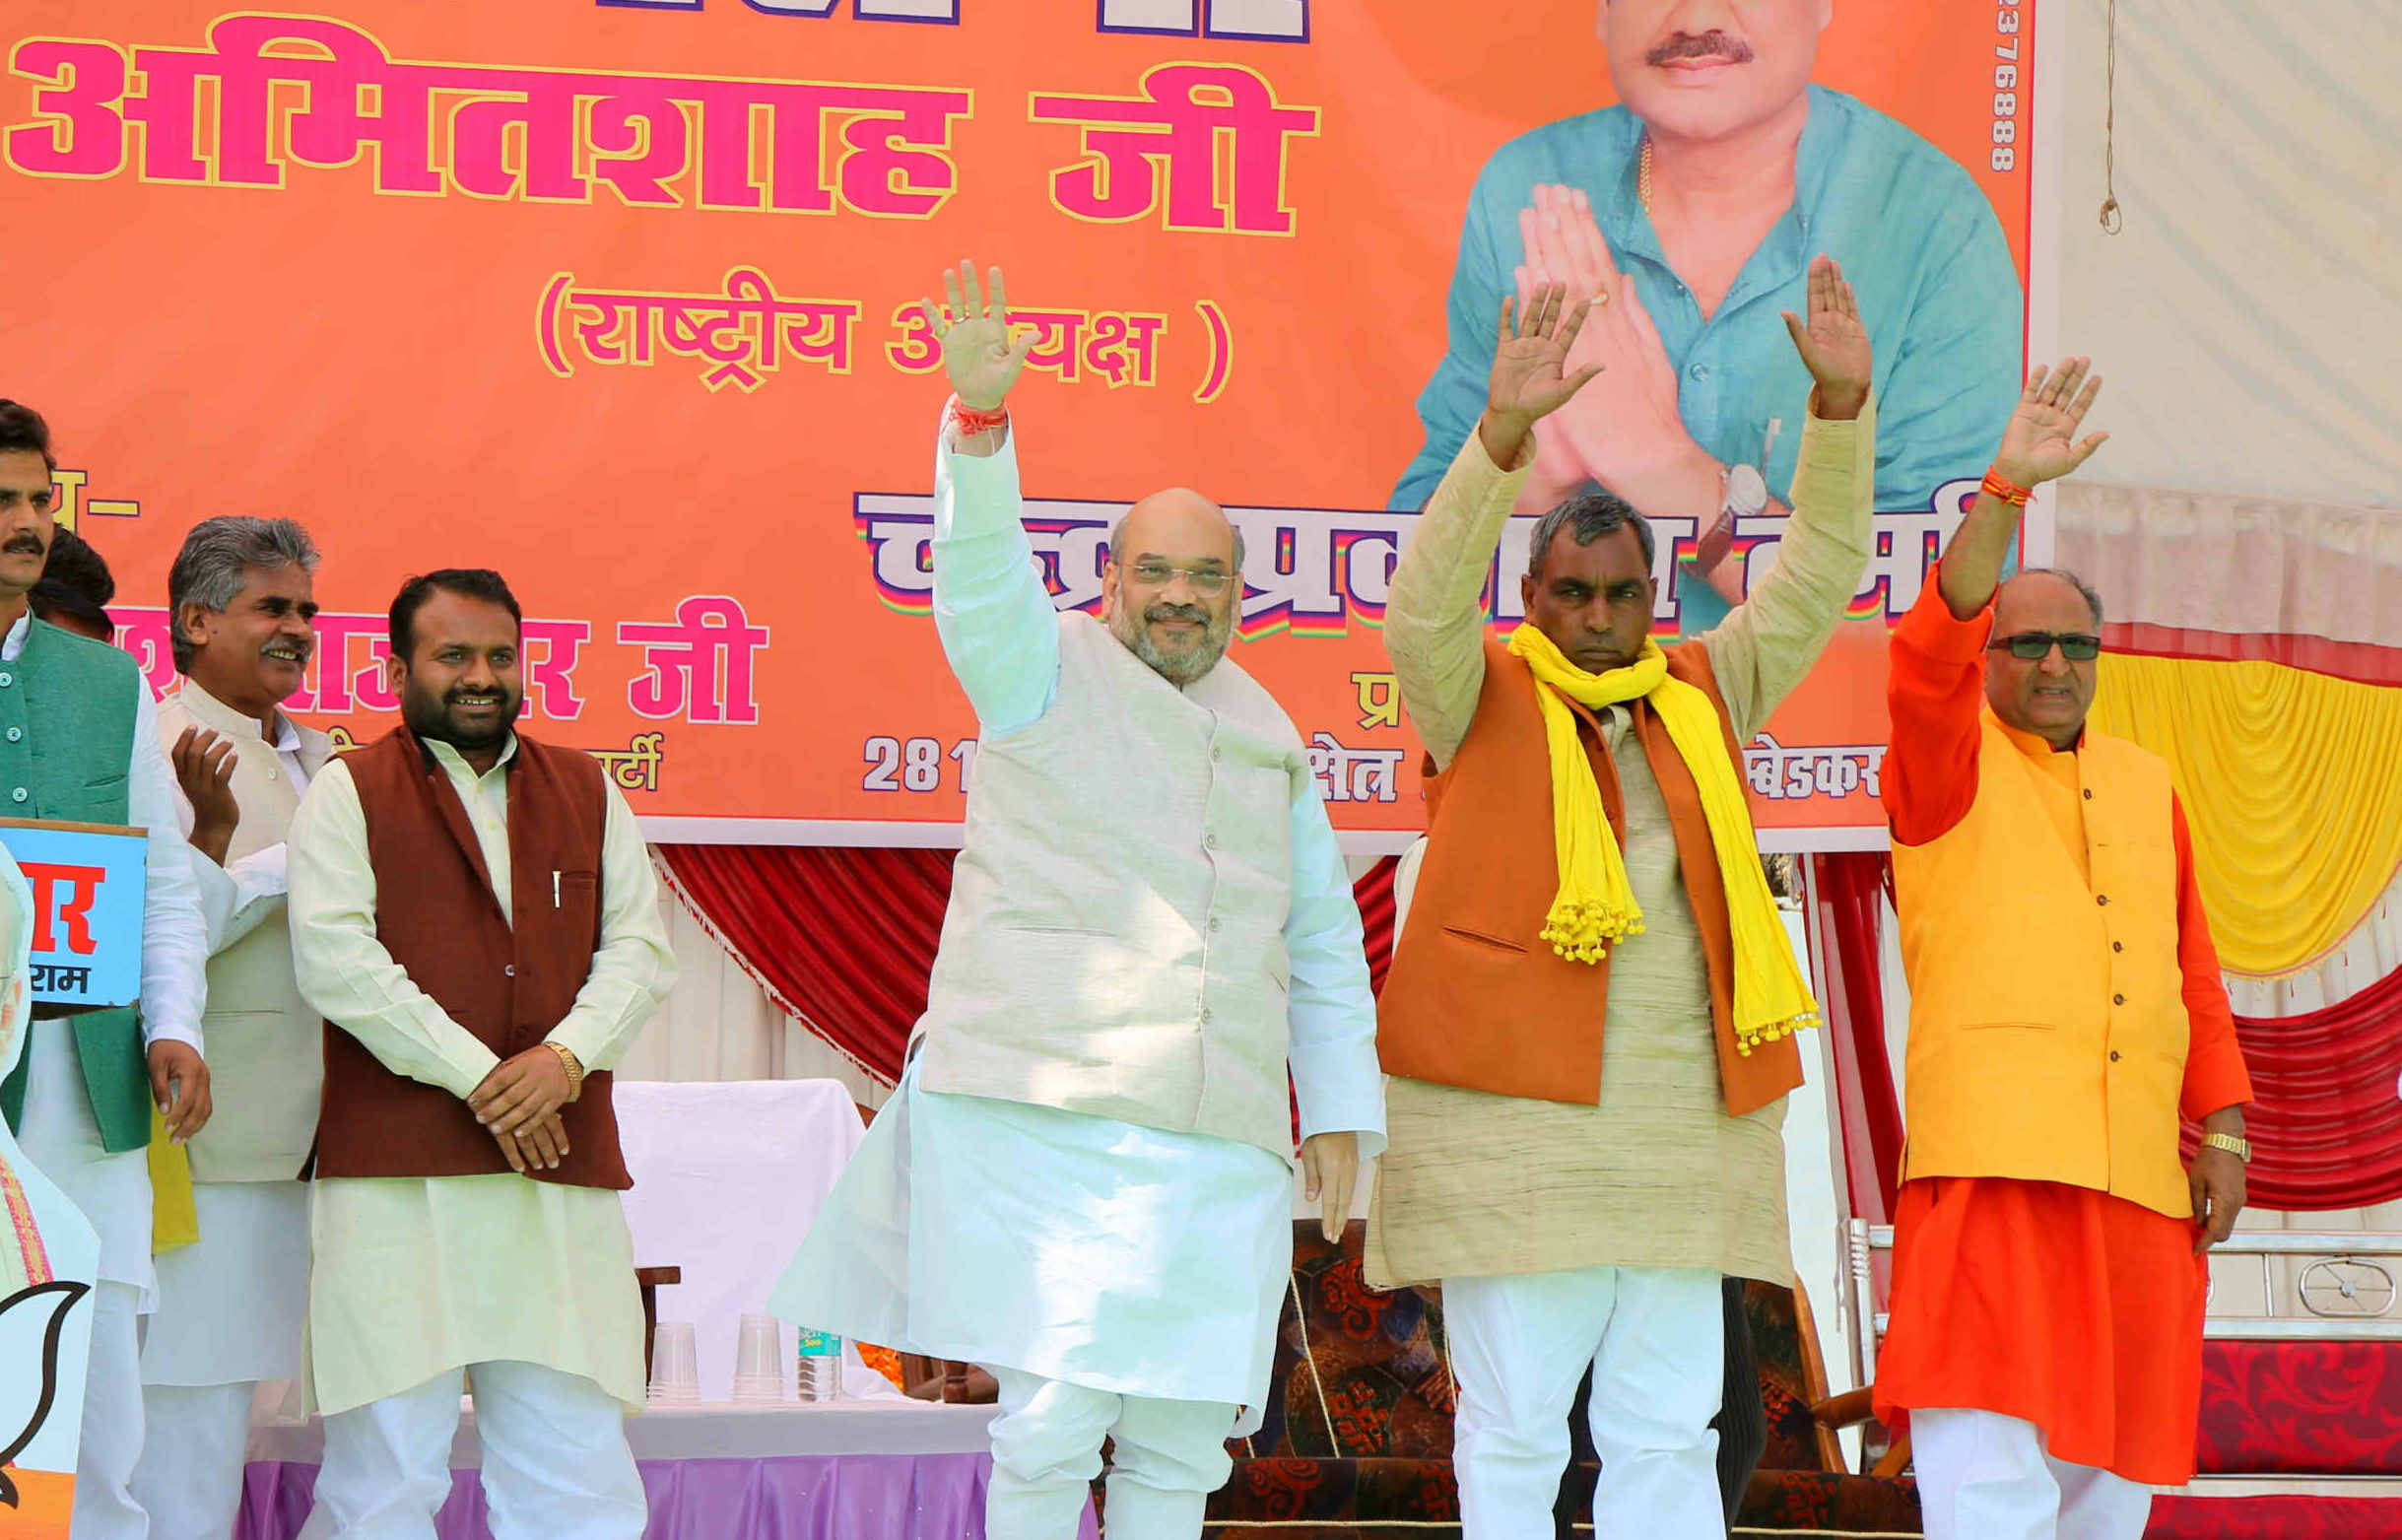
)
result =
(1626, 430)
(518, 1104)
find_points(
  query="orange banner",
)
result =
(620, 298)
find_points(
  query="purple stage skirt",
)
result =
(827, 1496)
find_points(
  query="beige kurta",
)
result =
(1657, 1175)
(413, 1276)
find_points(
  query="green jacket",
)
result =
(67, 714)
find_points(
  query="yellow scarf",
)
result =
(1595, 904)
(172, 1220)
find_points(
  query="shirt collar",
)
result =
(12, 645)
(2034, 745)
(217, 713)
(456, 762)
(1784, 253)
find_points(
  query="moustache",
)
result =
(1177, 612)
(1711, 44)
(28, 544)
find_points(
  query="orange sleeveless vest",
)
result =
(1475, 998)
(2047, 1016)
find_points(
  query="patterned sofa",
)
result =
(1356, 1442)
(2298, 1411)
(1801, 1484)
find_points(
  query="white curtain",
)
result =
(719, 1025)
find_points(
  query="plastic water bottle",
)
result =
(820, 1366)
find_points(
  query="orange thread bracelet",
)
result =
(2008, 491)
(968, 422)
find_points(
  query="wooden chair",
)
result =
(650, 1280)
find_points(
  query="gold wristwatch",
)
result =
(2234, 1144)
(574, 1067)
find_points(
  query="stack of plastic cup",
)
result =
(759, 1370)
(675, 1364)
(820, 1366)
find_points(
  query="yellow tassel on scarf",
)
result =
(1595, 904)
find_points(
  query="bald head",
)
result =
(1174, 584)
(2048, 592)
(1175, 518)
(2048, 695)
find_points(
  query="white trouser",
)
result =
(189, 1478)
(556, 1462)
(60, 1134)
(1656, 1338)
(1170, 1455)
(105, 1505)
(1984, 1475)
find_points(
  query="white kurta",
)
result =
(1127, 1259)
(1134, 1260)
(416, 1276)
(231, 1304)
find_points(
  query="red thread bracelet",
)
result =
(968, 422)
(2008, 491)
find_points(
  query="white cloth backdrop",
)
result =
(727, 1177)
(2247, 316)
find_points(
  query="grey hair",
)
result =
(1118, 539)
(208, 570)
(2092, 596)
(1591, 516)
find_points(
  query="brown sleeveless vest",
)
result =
(507, 983)
(1476, 999)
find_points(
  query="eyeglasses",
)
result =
(2034, 645)
(1207, 581)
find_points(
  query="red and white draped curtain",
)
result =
(843, 939)
(2326, 1121)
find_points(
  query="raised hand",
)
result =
(977, 354)
(204, 768)
(1529, 376)
(1832, 342)
(2041, 444)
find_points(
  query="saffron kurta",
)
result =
(2061, 1306)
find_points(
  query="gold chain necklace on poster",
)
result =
(1643, 176)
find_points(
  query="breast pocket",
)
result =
(576, 896)
(99, 801)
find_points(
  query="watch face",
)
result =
(1747, 491)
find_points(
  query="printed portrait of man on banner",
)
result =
(1689, 213)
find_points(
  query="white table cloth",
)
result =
(727, 1177)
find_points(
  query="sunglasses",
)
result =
(2031, 645)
